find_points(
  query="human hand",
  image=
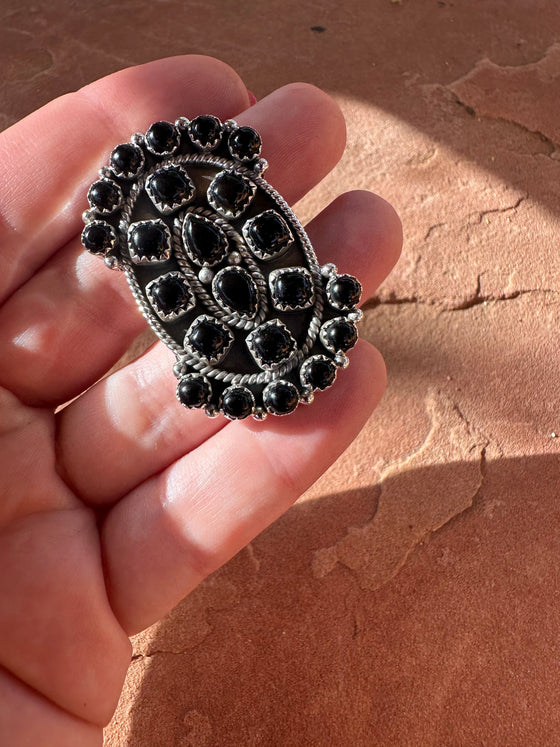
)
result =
(115, 507)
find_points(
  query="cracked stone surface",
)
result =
(411, 596)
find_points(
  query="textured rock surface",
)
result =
(411, 597)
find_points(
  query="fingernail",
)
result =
(252, 98)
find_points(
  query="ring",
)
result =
(221, 268)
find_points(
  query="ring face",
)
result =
(221, 268)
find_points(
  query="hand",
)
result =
(115, 507)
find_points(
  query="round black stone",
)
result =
(205, 131)
(148, 240)
(98, 237)
(320, 373)
(237, 402)
(292, 288)
(237, 290)
(345, 291)
(208, 339)
(342, 335)
(272, 344)
(126, 160)
(269, 233)
(193, 391)
(170, 187)
(206, 243)
(245, 143)
(104, 196)
(281, 398)
(162, 138)
(230, 192)
(170, 294)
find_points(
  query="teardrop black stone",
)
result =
(345, 291)
(237, 290)
(205, 131)
(281, 398)
(162, 138)
(269, 233)
(320, 373)
(205, 241)
(98, 237)
(237, 403)
(148, 241)
(126, 160)
(342, 335)
(245, 143)
(170, 294)
(104, 195)
(230, 193)
(170, 187)
(193, 391)
(272, 344)
(208, 338)
(292, 288)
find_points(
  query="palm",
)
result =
(118, 505)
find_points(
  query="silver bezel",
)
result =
(161, 206)
(275, 274)
(333, 279)
(174, 314)
(249, 341)
(270, 386)
(245, 159)
(163, 153)
(195, 353)
(229, 389)
(186, 243)
(140, 168)
(100, 211)
(100, 223)
(195, 376)
(136, 258)
(307, 363)
(228, 309)
(195, 141)
(325, 328)
(229, 213)
(265, 257)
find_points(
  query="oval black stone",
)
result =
(237, 402)
(98, 237)
(269, 233)
(193, 391)
(162, 138)
(126, 160)
(292, 288)
(170, 187)
(205, 131)
(208, 339)
(148, 240)
(237, 290)
(320, 373)
(342, 335)
(170, 294)
(345, 291)
(104, 196)
(272, 344)
(245, 143)
(230, 193)
(281, 398)
(205, 241)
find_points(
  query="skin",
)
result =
(120, 503)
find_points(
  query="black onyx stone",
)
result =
(237, 402)
(98, 237)
(104, 196)
(126, 160)
(320, 373)
(245, 143)
(170, 294)
(206, 243)
(237, 290)
(269, 233)
(272, 344)
(292, 288)
(281, 398)
(162, 138)
(230, 193)
(148, 240)
(345, 291)
(170, 187)
(205, 130)
(208, 338)
(193, 391)
(342, 335)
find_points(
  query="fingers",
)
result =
(65, 327)
(176, 528)
(136, 409)
(49, 158)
